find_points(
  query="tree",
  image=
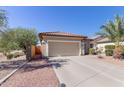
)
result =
(113, 30)
(3, 20)
(3, 24)
(7, 41)
(25, 38)
(16, 38)
(19, 38)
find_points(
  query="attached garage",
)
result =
(62, 44)
(63, 48)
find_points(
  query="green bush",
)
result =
(91, 51)
(9, 56)
(109, 52)
(110, 47)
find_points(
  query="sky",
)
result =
(83, 20)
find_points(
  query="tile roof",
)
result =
(66, 34)
(97, 39)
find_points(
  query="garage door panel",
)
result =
(63, 48)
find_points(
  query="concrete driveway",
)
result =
(81, 71)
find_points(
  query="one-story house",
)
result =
(100, 42)
(63, 44)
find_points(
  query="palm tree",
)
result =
(114, 30)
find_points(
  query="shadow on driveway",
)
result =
(58, 62)
(43, 63)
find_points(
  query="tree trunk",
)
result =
(28, 53)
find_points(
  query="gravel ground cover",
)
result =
(7, 66)
(109, 59)
(33, 74)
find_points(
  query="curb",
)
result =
(9, 75)
(61, 84)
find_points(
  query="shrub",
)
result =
(122, 53)
(1, 50)
(109, 50)
(5, 53)
(118, 52)
(91, 51)
(9, 56)
(110, 47)
(17, 54)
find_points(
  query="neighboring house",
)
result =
(63, 44)
(100, 42)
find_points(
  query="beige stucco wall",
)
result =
(80, 49)
(87, 46)
(102, 46)
(61, 38)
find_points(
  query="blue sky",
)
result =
(80, 20)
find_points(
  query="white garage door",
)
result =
(63, 48)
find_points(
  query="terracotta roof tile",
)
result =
(61, 34)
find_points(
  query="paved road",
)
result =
(88, 71)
